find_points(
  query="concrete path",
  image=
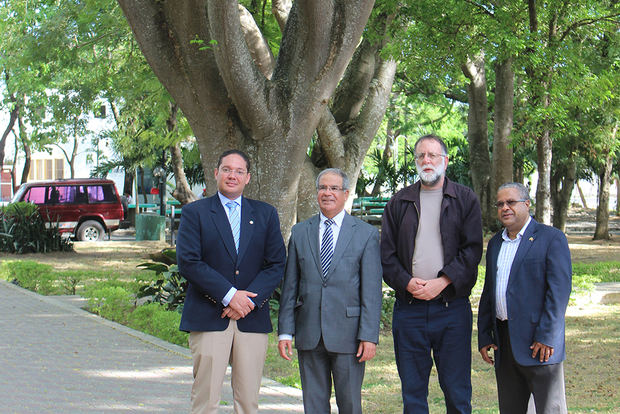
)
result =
(57, 358)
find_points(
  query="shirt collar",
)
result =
(224, 199)
(519, 234)
(338, 218)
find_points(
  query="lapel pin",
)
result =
(531, 239)
(251, 221)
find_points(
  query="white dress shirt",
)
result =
(223, 199)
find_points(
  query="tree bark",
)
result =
(228, 101)
(9, 128)
(617, 197)
(27, 153)
(601, 232)
(477, 135)
(562, 188)
(581, 195)
(501, 169)
(182, 192)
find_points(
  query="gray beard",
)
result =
(429, 179)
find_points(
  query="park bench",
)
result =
(369, 209)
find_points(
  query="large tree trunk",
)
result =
(501, 169)
(562, 188)
(477, 136)
(601, 232)
(229, 102)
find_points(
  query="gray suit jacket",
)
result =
(345, 307)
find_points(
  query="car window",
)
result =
(35, 195)
(66, 194)
(101, 194)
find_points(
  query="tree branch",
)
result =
(246, 85)
(257, 44)
(281, 10)
(586, 22)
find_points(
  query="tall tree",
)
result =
(199, 52)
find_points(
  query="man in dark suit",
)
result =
(231, 251)
(522, 308)
(331, 299)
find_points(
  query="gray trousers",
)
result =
(317, 367)
(516, 382)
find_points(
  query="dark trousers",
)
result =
(516, 382)
(443, 328)
(316, 368)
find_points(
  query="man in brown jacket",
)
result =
(431, 244)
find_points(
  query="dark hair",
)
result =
(432, 137)
(234, 151)
(336, 171)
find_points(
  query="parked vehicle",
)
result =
(85, 208)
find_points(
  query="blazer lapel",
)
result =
(312, 232)
(344, 238)
(247, 227)
(223, 226)
(524, 247)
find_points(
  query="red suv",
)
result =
(86, 208)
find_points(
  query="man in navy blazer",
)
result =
(522, 307)
(231, 251)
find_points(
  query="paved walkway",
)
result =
(57, 358)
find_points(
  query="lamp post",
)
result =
(160, 174)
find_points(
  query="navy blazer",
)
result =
(537, 294)
(207, 258)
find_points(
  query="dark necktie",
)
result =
(327, 247)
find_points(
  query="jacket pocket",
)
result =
(353, 311)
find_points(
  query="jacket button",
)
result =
(236, 272)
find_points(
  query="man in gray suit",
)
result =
(331, 299)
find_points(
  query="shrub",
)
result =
(111, 302)
(155, 320)
(23, 230)
(169, 287)
(30, 275)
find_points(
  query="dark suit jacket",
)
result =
(536, 296)
(345, 308)
(207, 258)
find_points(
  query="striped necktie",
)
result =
(235, 223)
(327, 247)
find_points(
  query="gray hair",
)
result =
(337, 171)
(432, 137)
(524, 193)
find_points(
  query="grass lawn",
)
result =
(592, 332)
(591, 369)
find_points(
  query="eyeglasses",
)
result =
(432, 155)
(509, 203)
(331, 188)
(238, 173)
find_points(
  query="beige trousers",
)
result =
(212, 352)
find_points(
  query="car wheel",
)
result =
(90, 230)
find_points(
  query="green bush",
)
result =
(23, 230)
(169, 287)
(155, 320)
(111, 302)
(30, 275)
